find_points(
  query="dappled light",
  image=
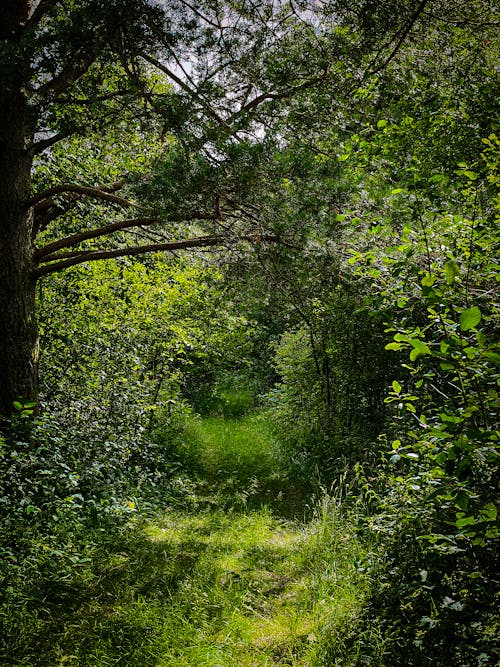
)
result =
(249, 352)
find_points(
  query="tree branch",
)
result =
(263, 97)
(39, 146)
(39, 12)
(192, 93)
(414, 18)
(169, 246)
(74, 239)
(94, 255)
(68, 76)
(99, 193)
(45, 254)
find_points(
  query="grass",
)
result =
(235, 584)
(239, 464)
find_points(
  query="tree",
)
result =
(196, 74)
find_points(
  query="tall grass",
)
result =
(241, 581)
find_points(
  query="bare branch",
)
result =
(45, 254)
(74, 239)
(94, 255)
(68, 75)
(200, 15)
(41, 145)
(39, 12)
(192, 93)
(289, 92)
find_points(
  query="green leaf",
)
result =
(396, 386)
(462, 500)
(465, 521)
(381, 124)
(428, 280)
(470, 318)
(451, 271)
(437, 178)
(493, 356)
(419, 348)
(488, 512)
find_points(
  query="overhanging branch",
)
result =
(182, 84)
(39, 12)
(74, 239)
(44, 254)
(68, 76)
(98, 193)
(284, 94)
(94, 255)
(406, 31)
(169, 246)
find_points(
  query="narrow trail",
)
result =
(234, 579)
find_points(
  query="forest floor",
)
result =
(246, 573)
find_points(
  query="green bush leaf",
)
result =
(451, 271)
(488, 512)
(470, 318)
(396, 386)
(428, 280)
(419, 348)
(465, 521)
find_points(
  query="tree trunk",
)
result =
(18, 329)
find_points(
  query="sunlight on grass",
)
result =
(239, 465)
(263, 589)
(223, 447)
(226, 585)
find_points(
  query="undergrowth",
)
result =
(229, 574)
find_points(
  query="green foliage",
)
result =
(222, 582)
(119, 338)
(328, 406)
(379, 308)
(437, 496)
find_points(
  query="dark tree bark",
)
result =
(18, 330)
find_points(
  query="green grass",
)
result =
(233, 584)
(229, 447)
(239, 464)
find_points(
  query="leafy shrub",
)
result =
(436, 498)
(328, 407)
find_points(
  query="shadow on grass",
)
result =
(106, 615)
(169, 593)
(153, 592)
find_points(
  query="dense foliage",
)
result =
(342, 164)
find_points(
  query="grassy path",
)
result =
(239, 462)
(229, 583)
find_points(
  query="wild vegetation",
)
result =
(249, 359)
